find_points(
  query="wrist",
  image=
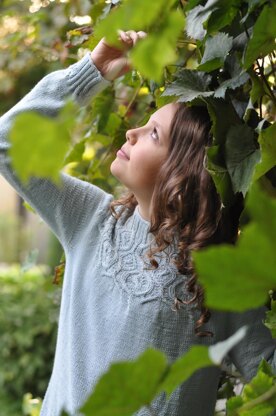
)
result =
(97, 64)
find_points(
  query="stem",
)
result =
(133, 98)
(184, 42)
(264, 397)
(109, 148)
(272, 64)
(271, 94)
(261, 110)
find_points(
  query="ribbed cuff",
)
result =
(85, 80)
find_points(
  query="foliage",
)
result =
(255, 279)
(258, 397)
(223, 58)
(28, 316)
(31, 406)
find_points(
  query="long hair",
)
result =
(186, 206)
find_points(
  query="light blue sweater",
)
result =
(112, 309)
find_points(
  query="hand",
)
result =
(112, 62)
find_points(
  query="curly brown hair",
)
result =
(186, 206)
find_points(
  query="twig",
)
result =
(272, 63)
(261, 110)
(270, 92)
(133, 98)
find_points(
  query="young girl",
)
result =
(129, 283)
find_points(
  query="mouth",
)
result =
(122, 155)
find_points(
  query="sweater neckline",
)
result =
(139, 226)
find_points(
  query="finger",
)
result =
(133, 36)
(124, 36)
(142, 34)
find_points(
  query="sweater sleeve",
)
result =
(64, 208)
(256, 345)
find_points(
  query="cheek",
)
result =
(147, 163)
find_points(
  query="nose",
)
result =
(131, 136)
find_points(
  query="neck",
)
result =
(144, 207)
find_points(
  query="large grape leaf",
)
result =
(217, 169)
(134, 14)
(215, 52)
(241, 156)
(223, 116)
(158, 49)
(231, 84)
(42, 152)
(248, 270)
(189, 85)
(262, 41)
(196, 18)
(222, 15)
(129, 385)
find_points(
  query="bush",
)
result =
(28, 324)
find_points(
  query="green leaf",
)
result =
(245, 277)
(113, 123)
(223, 15)
(134, 14)
(233, 404)
(263, 38)
(189, 85)
(195, 20)
(223, 116)
(75, 154)
(241, 156)
(215, 52)
(231, 84)
(258, 397)
(197, 357)
(266, 368)
(217, 169)
(127, 386)
(270, 321)
(157, 50)
(267, 140)
(258, 89)
(259, 385)
(42, 152)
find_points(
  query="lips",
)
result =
(122, 153)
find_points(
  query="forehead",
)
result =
(164, 115)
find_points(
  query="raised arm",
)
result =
(67, 208)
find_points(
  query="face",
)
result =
(139, 160)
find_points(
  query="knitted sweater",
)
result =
(113, 307)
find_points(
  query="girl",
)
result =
(128, 281)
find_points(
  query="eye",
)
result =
(154, 134)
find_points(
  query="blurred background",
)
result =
(33, 42)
